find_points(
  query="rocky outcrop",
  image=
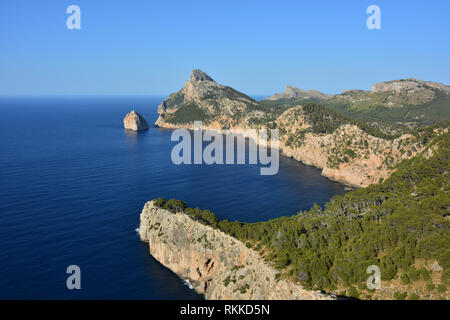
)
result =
(297, 93)
(210, 100)
(395, 94)
(215, 264)
(348, 154)
(134, 121)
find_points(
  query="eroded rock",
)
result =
(134, 121)
(215, 264)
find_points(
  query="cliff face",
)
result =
(345, 154)
(410, 91)
(348, 154)
(217, 265)
(134, 121)
(201, 98)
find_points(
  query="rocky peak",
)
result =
(199, 75)
(206, 96)
(134, 121)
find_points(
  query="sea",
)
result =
(73, 182)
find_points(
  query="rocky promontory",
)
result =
(134, 121)
(215, 264)
(345, 151)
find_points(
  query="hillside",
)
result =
(215, 264)
(347, 150)
(401, 225)
(394, 107)
(202, 99)
(296, 93)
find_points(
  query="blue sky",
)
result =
(258, 47)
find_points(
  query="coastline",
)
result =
(349, 175)
(216, 265)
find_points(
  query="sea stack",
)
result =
(134, 121)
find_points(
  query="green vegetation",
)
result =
(374, 109)
(173, 205)
(226, 282)
(188, 113)
(324, 120)
(390, 224)
(400, 295)
(236, 268)
(414, 296)
(441, 288)
(244, 288)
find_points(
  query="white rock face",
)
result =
(134, 121)
(214, 99)
(215, 264)
(409, 85)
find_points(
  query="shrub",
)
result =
(352, 292)
(405, 279)
(441, 288)
(414, 296)
(400, 295)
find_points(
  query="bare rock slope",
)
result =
(217, 265)
(315, 136)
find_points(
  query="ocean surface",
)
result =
(73, 182)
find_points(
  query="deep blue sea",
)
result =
(73, 182)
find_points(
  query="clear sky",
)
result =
(258, 47)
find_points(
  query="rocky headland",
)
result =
(345, 151)
(215, 264)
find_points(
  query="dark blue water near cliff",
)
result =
(72, 185)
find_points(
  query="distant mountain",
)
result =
(392, 106)
(297, 93)
(394, 94)
(399, 222)
(202, 98)
(347, 150)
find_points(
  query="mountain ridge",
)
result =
(394, 106)
(346, 150)
(292, 92)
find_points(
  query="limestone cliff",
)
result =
(134, 121)
(201, 98)
(217, 265)
(347, 154)
(317, 136)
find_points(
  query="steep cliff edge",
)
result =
(346, 150)
(343, 151)
(217, 265)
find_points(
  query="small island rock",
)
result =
(134, 121)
